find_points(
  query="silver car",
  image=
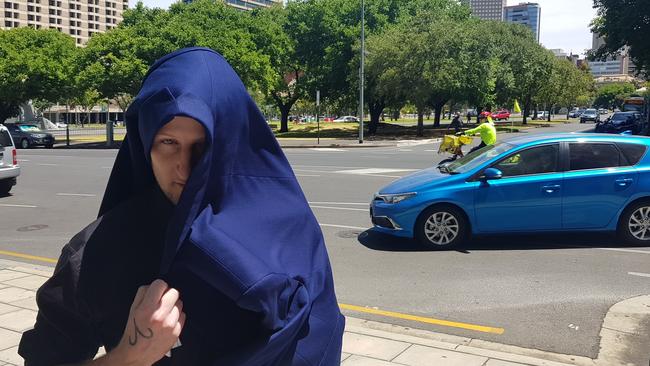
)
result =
(9, 168)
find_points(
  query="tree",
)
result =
(565, 84)
(34, 64)
(624, 23)
(611, 96)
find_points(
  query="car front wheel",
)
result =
(634, 225)
(441, 227)
(24, 143)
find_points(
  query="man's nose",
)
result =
(184, 164)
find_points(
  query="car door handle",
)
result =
(624, 182)
(551, 189)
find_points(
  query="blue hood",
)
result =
(416, 181)
(242, 223)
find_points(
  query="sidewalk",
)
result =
(365, 343)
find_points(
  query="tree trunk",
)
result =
(437, 113)
(284, 119)
(550, 110)
(376, 110)
(420, 122)
(526, 111)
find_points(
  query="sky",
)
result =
(565, 23)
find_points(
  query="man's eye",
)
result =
(168, 142)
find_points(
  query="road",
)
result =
(550, 293)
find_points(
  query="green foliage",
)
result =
(624, 23)
(34, 64)
(611, 95)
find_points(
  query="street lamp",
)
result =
(361, 70)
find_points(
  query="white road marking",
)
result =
(22, 160)
(44, 164)
(403, 143)
(404, 150)
(341, 208)
(307, 175)
(639, 274)
(107, 167)
(22, 206)
(339, 203)
(326, 149)
(375, 171)
(345, 227)
(76, 194)
(624, 250)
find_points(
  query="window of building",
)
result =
(52, 20)
(16, 6)
(30, 17)
(7, 5)
(78, 40)
(30, 8)
(7, 24)
(9, 14)
(16, 24)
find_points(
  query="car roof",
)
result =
(581, 137)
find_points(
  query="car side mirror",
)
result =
(491, 174)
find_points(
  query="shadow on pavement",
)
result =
(382, 242)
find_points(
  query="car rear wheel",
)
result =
(24, 143)
(441, 227)
(5, 186)
(634, 225)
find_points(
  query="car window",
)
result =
(537, 160)
(29, 128)
(5, 139)
(593, 156)
(632, 152)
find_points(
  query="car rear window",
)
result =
(5, 139)
(632, 152)
(593, 156)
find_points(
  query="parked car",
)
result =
(528, 184)
(603, 111)
(9, 169)
(28, 135)
(590, 115)
(621, 122)
(347, 119)
(576, 113)
(502, 115)
(541, 115)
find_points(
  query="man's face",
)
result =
(177, 147)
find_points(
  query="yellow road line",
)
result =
(27, 256)
(446, 323)
(390, 314)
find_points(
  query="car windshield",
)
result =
(476, 158)
(590, 111)
(29, 128)
(619, 118)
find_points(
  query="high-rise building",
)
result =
(487, 9)
(528, 14)
(247, 4)
(78, 18)
(620, 65)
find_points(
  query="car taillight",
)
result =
(13, 153)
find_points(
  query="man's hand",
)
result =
(155, 322)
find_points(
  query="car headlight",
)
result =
(38, 135)
(395, 198)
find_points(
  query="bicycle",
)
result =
(454, 145)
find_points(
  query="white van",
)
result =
(9, 168)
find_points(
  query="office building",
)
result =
(528, 14)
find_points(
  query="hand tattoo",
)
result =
(133, 341)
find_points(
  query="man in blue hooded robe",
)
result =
(241, 245)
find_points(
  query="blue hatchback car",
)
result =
(541, 183)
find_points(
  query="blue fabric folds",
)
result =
(242, 224)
